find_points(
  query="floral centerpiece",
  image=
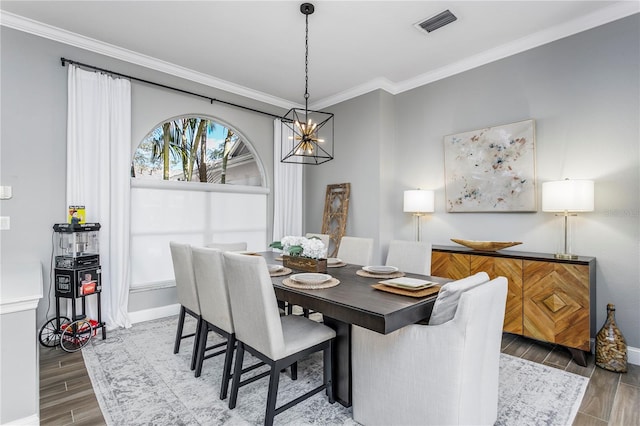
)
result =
(306, 254)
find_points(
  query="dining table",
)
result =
(354, 301)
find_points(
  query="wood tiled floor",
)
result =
(66, 395)
(611, 398)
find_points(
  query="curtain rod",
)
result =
(65, 61)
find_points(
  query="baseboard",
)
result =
(633, 355)
(154, 313)
(31, 420)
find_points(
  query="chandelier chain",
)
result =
(306, 65)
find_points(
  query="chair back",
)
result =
(215, 307)
(256, 318)
(433, 374)
(323, 237)
(239, 246)
(355, 250)
(184, 275)
(413, 257)
(446, 304)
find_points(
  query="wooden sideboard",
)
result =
(549, 299)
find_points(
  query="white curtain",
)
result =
(98, 170)
(287, 190)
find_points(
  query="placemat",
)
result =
(281, 272)
(336, 265)
(364, 273)
(327, 284)
(411, 293)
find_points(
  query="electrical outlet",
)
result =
(5, 192)
(5, 223)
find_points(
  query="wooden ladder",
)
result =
(334, 220)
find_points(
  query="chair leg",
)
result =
(237, 371)
(327, 355)
(176, 346)
(272, 394)
(202, 346)
(195, 343)
(294, 371)
(226, 373)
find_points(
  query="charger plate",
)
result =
(366, 274)
(282, 272)
(327, 284)
(429, 291)
(336, 265)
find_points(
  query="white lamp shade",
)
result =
(567, 195)
(419, 201)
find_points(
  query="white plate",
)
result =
(275, 268)
(408, 283)
(333, 261)
(310, 278)
(380, 269)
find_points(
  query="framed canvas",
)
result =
(491, 169)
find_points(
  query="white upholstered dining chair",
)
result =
(433, 374)
(215, 310)
(413, 257)
(187, 294)
(277, 341)
(356, 250)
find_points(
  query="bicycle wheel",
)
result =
(76, 335)
(49, 335)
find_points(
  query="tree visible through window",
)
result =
(195, 149)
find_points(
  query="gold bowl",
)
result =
(486, 245)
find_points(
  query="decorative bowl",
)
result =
(486, 245)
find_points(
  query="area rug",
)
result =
(139, 381)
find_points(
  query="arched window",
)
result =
(195, 180)
(196, 149)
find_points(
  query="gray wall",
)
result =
(33, 150)
(583, 91)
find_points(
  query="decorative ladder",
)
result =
(334, 220)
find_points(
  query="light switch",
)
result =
(5, 223)
(5, 192)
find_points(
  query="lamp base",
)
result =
(565, 256)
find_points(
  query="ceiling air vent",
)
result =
(435, 22)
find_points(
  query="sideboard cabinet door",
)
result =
(556, 303)
(449, 265)
(511, 269)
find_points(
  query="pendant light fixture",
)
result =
(307, 136)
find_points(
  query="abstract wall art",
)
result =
(491, 169)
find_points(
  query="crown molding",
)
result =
(600, 17)
(40, 29)
(370, 86)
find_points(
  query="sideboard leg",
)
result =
(579, 356)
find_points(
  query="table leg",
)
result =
(341, 360)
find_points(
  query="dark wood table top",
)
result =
(354, 301)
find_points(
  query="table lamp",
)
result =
(419, 201)
(567, 198)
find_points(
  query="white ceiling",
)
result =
(256, 48)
